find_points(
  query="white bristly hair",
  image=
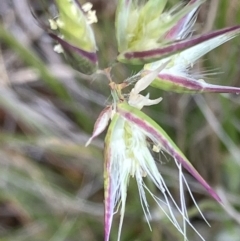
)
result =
(130, 156)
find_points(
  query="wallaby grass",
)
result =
(51, 186)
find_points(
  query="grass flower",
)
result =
(130, 140)
(143, 26)
(75, 37)
(145, 33)
(176, 76)
(174, 32)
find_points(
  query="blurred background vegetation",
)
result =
(51, 186)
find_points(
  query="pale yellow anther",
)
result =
(58, 48)
(92, 17)
(53, 24)
(137, 100)
(156, 148)
(90, 14)
(87, 7)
